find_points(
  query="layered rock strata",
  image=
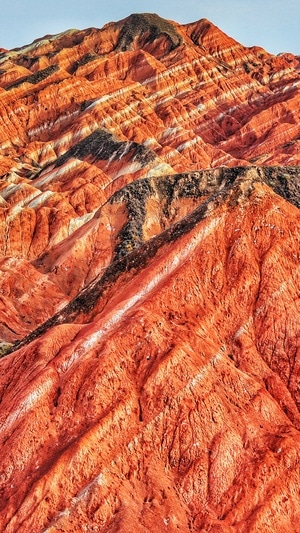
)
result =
(149, 287)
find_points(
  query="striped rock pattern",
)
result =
(149, 283)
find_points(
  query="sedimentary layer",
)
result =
(149, 287)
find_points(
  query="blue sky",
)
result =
(272, 24)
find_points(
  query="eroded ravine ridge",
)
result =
(210, 188)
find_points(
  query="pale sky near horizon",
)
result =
(271, 24)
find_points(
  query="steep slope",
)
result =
(86, 112)
(149, 283)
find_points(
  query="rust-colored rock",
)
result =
(149, 283)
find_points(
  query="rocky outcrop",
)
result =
(149, 288)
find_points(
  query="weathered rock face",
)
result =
(149, 284)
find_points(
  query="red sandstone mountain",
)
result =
(149, 288)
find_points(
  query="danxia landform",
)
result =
(149, 282)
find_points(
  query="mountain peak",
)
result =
(146, 27)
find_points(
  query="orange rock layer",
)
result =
(149, 309)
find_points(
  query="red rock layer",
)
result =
(153, 383)
(86, 112)
(174, 406)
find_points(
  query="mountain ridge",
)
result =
(149, 282)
